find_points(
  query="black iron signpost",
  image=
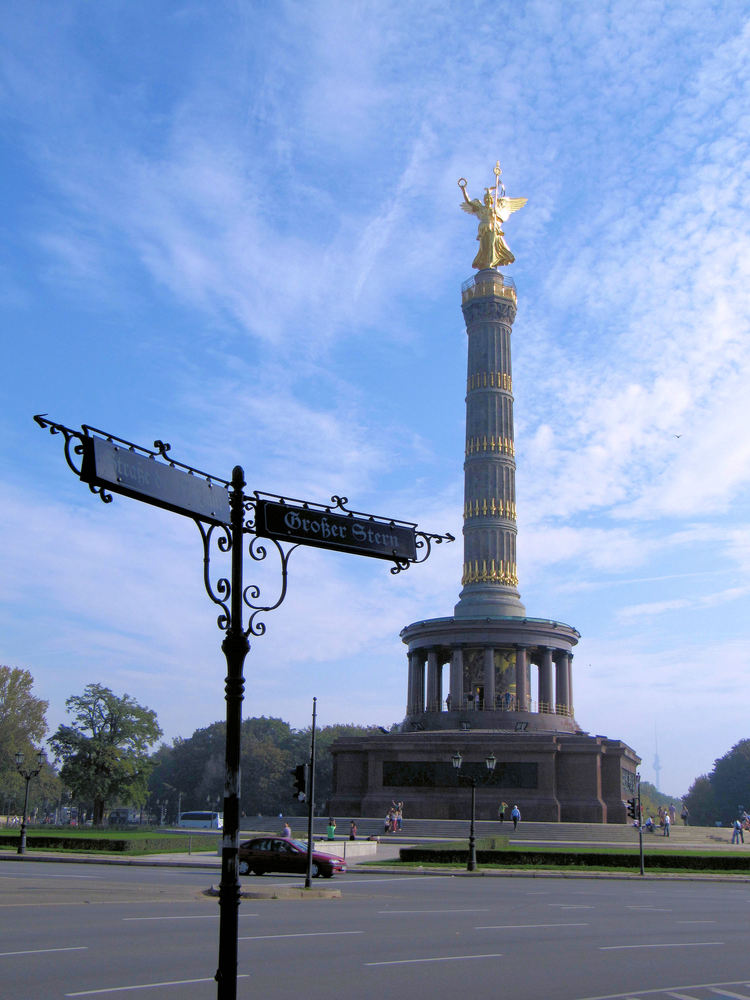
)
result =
(224, 515)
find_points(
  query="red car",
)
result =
(277, 854)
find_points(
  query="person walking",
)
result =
(737, 834)
(287, 831)
(331, 829)
(667, 823)
(501, 809)
(515, 815)
(352, 830)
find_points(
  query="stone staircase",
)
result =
(601, 834)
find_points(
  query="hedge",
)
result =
(726, 861)
(113, 845)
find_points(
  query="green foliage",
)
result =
(730, 781)
(22, 727)
(586, 858)
(652, 798)
(701, 802)
(114, 843)
(191, 770)
(104, 754)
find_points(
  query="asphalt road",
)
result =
(70, 930)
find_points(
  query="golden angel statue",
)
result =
(496, 209)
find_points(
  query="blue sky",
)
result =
(235, 227)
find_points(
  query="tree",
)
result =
(22, 716)
(730, 780)
(652, 798)
(22, 727)
(701, 802)
(192, 770)
(104, 754)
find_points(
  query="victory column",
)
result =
(492, 651)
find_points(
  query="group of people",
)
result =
(394, 818)
(331, 829)
(665, 818)
(515, 814)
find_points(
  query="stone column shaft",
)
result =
(489, 678)
(457, 678)
(522, 688)
(412, 699)
(490, 580)
(546, 693)
(570, 682)
(433, 682)
(417, 659)
(562, 698)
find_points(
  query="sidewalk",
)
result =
(209, 860)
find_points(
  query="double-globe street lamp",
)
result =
(27, 775)
(490, 762)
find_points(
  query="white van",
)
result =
(201, 820)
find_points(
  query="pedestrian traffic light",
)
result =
(631, 808)
(300, 782)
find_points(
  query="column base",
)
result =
(476, 601)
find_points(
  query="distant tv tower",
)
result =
(657, 765)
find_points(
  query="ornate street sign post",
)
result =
(221, 508)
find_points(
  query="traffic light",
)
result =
(300, 782)
(632, 808)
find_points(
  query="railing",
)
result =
(505, 704)
(492, 283)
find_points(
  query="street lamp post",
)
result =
(457, 761)
(27, 775)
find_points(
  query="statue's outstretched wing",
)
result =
(507, 206)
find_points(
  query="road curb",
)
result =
(367, 869)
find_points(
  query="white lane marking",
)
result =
(197, 916)
(41, 951)
(697, 921)
(481, 909)
(728, 993)
(675, 944)
(439, 958)
(572, 906)
(147, 986)
(665, 989)
(273, 937)
(514, 927)
(651, 909)
(681, 996)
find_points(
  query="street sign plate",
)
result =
(122, 470)
(361, 535)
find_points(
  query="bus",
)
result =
(201, 820)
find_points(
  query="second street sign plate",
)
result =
(363, 536)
